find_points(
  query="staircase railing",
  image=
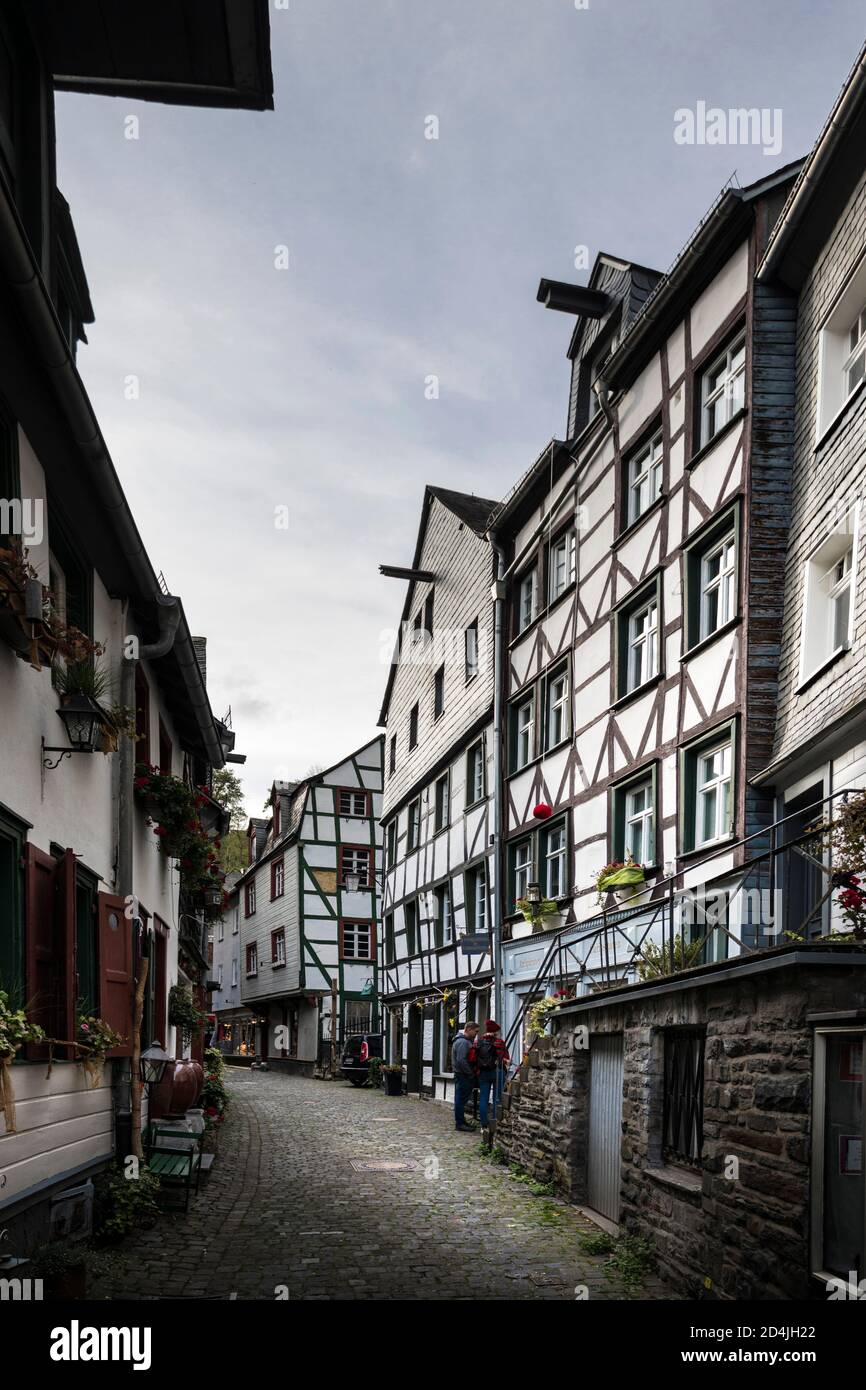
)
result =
(588, 950)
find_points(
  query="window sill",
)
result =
(628, 531)
(711, 637)
(702, 452)
(820, 670)
(638, 691)
(708, 848)
(251, 974)
(682, 1181)
(278, 965)
(826, 433)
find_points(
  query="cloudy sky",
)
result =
(263, 388)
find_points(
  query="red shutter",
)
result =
(65, 927)
(115, 970)
(40, 939)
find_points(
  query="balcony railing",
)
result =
(775, 887)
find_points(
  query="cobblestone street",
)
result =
(284, 1206)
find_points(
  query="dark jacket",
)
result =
(460, 1050)
(502, 1057)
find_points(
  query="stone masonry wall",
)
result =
(733, 1238)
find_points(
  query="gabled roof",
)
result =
(825, 183)
(179, 51)
(474, 512)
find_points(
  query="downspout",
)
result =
(127, 1094)
(498, 595)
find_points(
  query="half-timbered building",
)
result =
(308, 908)
(439, 785)
(645, 562)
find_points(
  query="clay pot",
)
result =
(177, 1091)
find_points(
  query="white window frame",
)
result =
(252, 953)
(220, 974)
(280, 946)
(725, 583)
(645, 477)
(524, 733)
(558, 707)
(479, 883)
(837, 354)
(562, 565)
(555, 857)
(352, 928)
(413, 825)
(643, 644)
(715, 785)
(523, 868)
(445, 913)
(234, 972)
(445, 821)
(472, 663)
(818, 644)
(475, 767)
(730, 390)
(644, 818)
(527, 600)
(356, 797)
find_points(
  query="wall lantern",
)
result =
(213, 897)
(153, 1064)
(83, 720)
(533, 893)
(352, 881)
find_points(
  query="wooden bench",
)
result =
(174, 1156)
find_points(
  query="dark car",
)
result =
(357, 1051)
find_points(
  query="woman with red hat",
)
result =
(491, 1058)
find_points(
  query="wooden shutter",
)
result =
(115, 970)
(41, 944)
(66, 974)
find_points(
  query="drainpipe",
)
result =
(498, 595)
(127, 1095)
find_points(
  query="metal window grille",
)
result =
(683, 1133)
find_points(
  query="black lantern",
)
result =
(83, 720)
(213, 897)
(152, 1065)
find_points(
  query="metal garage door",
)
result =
(605, 1124)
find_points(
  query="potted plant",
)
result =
(622, 877)
(62, 1266)
(15, 1030)
(93, 1039)
(393, 1077)
(541, 916)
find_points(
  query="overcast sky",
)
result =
(304, 388)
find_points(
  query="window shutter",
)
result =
(115, 970)
(41, 943)
(65, 937)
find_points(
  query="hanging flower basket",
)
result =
(621, 877)
(93, 1039)
(15, 1030)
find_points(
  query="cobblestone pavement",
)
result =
(283, 1206)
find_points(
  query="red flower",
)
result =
(160, 830)
(141, 781)
(211, 1110)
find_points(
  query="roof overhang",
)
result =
(180, 51)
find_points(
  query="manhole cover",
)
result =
(382, 1165)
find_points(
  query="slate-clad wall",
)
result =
(825, 480)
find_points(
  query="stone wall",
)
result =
(740, 1237)
(542, 1122)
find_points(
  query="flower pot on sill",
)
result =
(520, 929)
(552, 922)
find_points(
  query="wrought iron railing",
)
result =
(786, 864)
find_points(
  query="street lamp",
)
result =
(533, 893)
(351, 880)
(82, 719)
(152, 1065)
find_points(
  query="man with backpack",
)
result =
(464, 1074)
(490, 1058)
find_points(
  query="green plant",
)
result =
(214, 1061)
(657, 960)
(49, 1261)
(94, 1036)
(537, 1013)
(632, 1259)
(15, 1029)
(125, 1204)
(536, 912)
(374, 1071)
(182, 1010)
(85, 677)
(620, 873)
(174, 813)
(596, 1244)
